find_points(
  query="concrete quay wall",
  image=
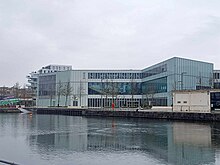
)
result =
(132, 113)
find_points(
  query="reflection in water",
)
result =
(193, 134)
(176, 142)
(60, 132)
(190, 143)
(163, 141)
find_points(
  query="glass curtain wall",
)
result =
(47, 85)
(193, 75)
(115, 88)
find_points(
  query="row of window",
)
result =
(216, 75)
(122, 102)
(47, 93)
(154, 71)
(112, 88)
(95, 102)
(179, 102)
(151, 72)
(47, 79)
(47, 71)
(114, 75)
(54, 67)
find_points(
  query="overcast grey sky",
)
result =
(89, 34)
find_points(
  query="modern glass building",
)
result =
(175, 74)
(124, 88)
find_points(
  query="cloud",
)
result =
(104, 34)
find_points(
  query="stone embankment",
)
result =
(148, 114)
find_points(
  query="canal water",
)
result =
(66, 140)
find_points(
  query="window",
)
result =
(75, 103)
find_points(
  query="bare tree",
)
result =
(81, 91)
(51, 93)
(23, 93)
(67, 91)
(3, 91)
(16, 89)
(59, 92)
(150, 94)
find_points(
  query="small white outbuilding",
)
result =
(196, 101)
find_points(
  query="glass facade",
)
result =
(190, 74)
(47, 85)
(176, 74)
(115, 88)
(155, 71)
(155, 86)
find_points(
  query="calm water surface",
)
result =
(53, 139)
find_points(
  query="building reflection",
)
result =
(59, 132)
(190, 143)
(170, 142)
